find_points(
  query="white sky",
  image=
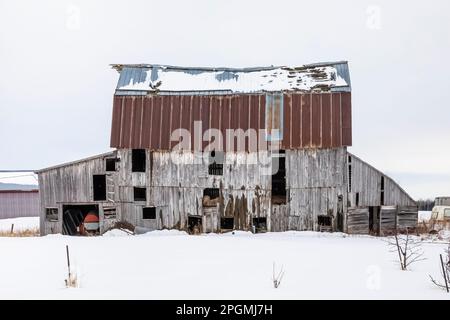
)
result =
(56, 86)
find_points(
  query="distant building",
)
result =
(19, 194)
(442, 201)
(19, 203)
(304, 114)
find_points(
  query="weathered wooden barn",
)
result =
(295, 174)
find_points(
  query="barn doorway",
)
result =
(279, 177)
(76, 223)
(374, 220)
(259, 225)
(325, 223)
(195, 225)
(226, 223)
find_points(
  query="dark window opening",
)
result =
(149, 213)
(109, 213)
(324, 221)
(212, 193)
(210, 197)
(51, 214)
(77, 222)
(260, 224)
(99, 183)
(138, 160)
(216, 160)
(227, 223)
(382, 191)
(349, 177)
(357, 199)
(374, 220)
(340, 214)
(215, 169)
(279, 178)
(110, 164)
(140, 194)
(194, 224)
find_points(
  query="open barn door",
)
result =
(407, 217)
(388, 220)
(358, 220)
(211, 219)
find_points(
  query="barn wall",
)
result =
(71, 184)
(366, 180)
(315, 179)
(316, 182)
(176, 188)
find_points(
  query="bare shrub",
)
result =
(444, 263)
(423, 228)
(277, 277)
(408, 248)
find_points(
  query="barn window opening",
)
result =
(215, 166)
(140, 194)
(110, 164)
(149, 213)
(138, 160)
(210, 197)
(227, 223)
(109, 213)
(349, 174)
(51, 214)
(324, 222)
(357, 199)
(382, 191)
(99, 184)
(194, 224)
(80, 220)
(260, 225)
(279, 178)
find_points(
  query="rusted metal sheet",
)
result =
(305, 120)
(346, 111)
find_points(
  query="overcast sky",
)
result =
(56, 85)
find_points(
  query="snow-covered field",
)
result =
(174, 265)
(20, 224)
(424, 216)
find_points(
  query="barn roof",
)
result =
(71, 163)
(140, 79)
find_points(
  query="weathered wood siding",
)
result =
(358, 220)
(366, 180)
(176, 188)
(315, 180)
(70, 184)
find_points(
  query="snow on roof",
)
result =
(144, 78)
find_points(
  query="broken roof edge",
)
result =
(119, 66)
(66, 164)
(384, 175)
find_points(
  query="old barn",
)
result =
(266, 151)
